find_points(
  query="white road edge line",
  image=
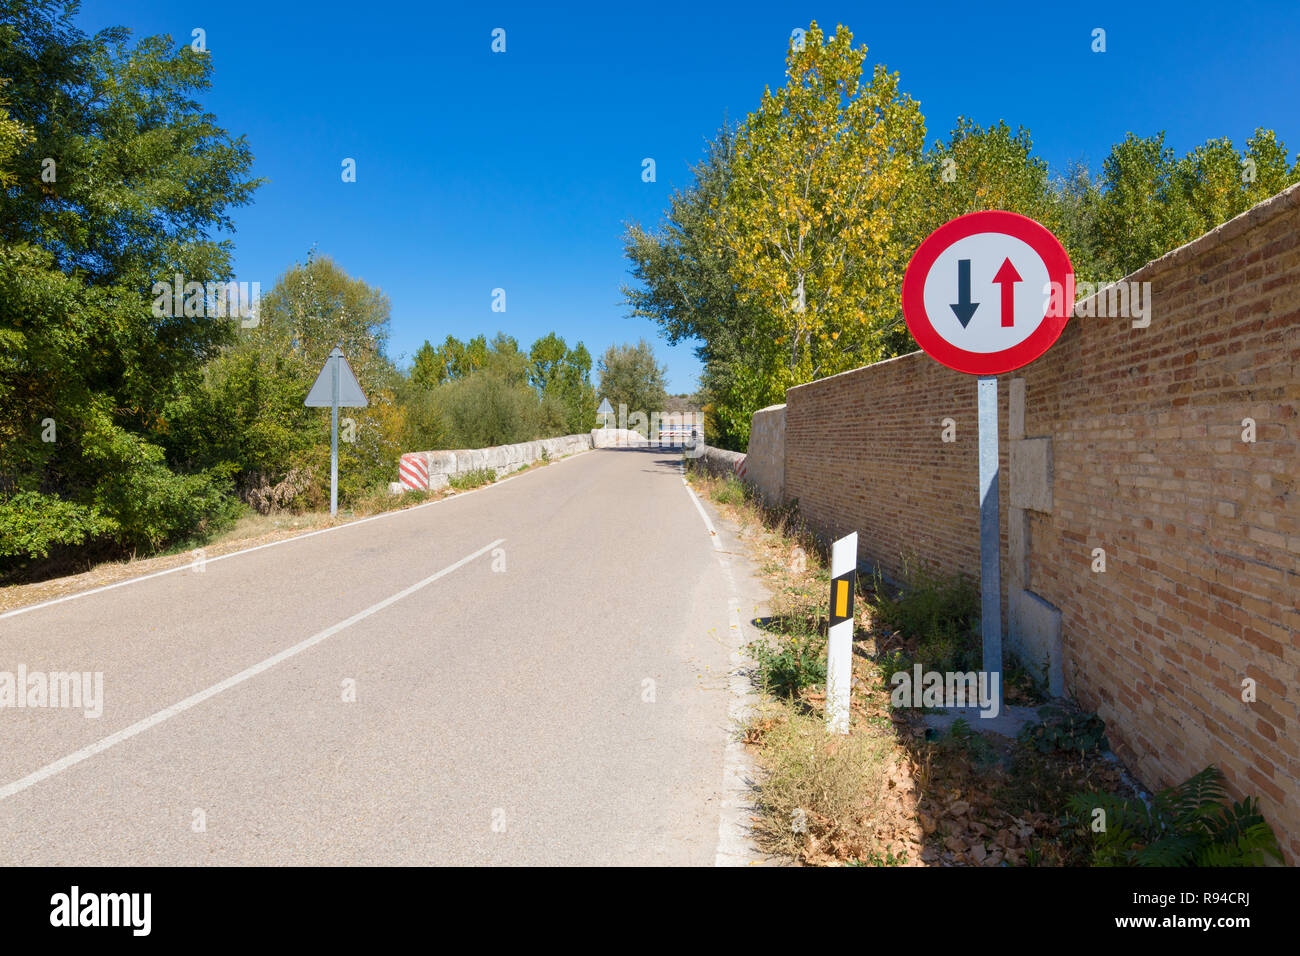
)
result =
(140, 726)
(735, 847)
(270, 544)
(713, 534)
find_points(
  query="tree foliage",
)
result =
(1149, 201)
(810, 209)
(483, 392)
(248, 421)
(631, 375)
(684, 274)
(783, 260)
(113, 178)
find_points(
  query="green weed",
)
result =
(473, 479)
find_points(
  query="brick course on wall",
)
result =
(1201, 530)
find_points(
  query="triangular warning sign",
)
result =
(605, 407)
(322, 393)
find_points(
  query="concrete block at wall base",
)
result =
(1031, 474)
(719, 461)
(1034, 637)
(563, 446)
(496, 458)
(435, 482)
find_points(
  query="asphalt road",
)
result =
(500, 716)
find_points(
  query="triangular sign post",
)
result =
(335, 387)
(605, 410)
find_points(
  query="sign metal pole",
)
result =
(990, 533)
(334, 439)
(335, 387)
(986, 337)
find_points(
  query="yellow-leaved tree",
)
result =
(818, 174)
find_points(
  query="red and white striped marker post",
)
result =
(414, 472)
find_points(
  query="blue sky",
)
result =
(478, 170)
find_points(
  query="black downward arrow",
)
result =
(965, 308)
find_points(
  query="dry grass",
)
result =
(249, 531)
(888, 793)
(831, 798)
(826, 799)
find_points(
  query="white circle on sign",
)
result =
(986, 252)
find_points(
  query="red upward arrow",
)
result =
(1007, 277)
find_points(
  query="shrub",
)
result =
(32, 524)
(487, 408)
(1191, 824)
(729, 491)
(819, 786)
(153, 506)
(789, 663)
(1064, 731)
(938, 612)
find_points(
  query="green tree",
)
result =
(506, 359)
(141, 179)
(1152, 202)
(684, 279)
(784, 259)
(488, 407)
(810, 211)
(563, 376)
(1138, 216)
(546, 361)
(575, 392)
(249, 421)
(980, 168)
(453, 359)
(475, 356)
(427, 368)
(631, 375)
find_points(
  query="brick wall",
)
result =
(864, 452)
(1201, 530)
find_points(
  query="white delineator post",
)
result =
(839, 638)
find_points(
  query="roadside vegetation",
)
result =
(249, 530)
(898, 792)
(841, 150)
(474, 479)
(138, 419)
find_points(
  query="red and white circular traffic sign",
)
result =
(988, 292)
